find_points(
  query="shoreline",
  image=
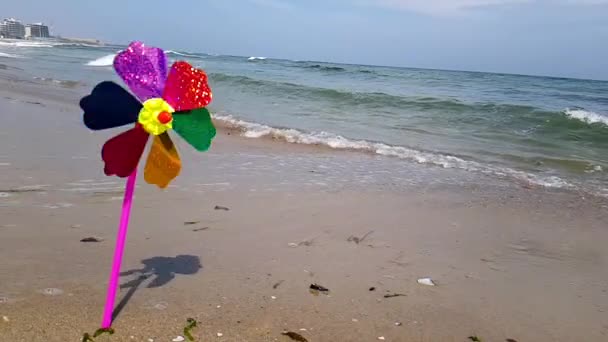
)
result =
(68, 92)
(508, 262)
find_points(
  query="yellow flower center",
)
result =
(156, 116)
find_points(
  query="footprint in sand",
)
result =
(51, 291)
(157, 306)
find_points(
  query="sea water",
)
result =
(551, 132)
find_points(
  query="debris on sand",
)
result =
(381, 338)
(391, 295)
(294, 336)
(306, 243)
(87, 338)
(474, 338)
(316, 289)
(219, 207)
(188, 223)
(191, 324)
(178, 339)
(277, 284)
(91, 239)
(357, 239)
(372, 288)
(510, 340)
(21, 190)
(200, 229)
(426, 281)
(398, 324)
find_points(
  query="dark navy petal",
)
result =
(109, 105)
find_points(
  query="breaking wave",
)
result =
(8, 55)
(586, 116)
(338, 142)
(107, 60)
(26, 44)
(172, 52)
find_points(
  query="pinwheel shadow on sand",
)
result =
(161, 270)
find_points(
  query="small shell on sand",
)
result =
(161, 306)
(178, 339)
(426, 281)
(51, 291)
(219, 334)
(5, 318)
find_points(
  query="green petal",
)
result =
(196, 127)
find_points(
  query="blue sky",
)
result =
(541, 37)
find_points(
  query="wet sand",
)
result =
(509, 262)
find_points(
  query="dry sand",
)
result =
(515, 263)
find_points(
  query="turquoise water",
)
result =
(542, 130)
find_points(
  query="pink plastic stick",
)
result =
(118, 250)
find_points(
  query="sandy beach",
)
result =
(240, 236)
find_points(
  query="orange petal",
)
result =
(163, 162)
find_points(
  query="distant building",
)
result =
(12, 28)
(37, 30)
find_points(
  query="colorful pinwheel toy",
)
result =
(169, 100)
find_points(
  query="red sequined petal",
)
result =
(186, 87)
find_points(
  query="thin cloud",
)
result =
(443, 6)
(276, 4)
(456, 6)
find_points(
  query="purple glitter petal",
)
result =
(144, 70)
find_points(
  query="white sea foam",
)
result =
(9, 55)
(256, 130)
(26, 43)
(107, 60)
(586, 116)
(180, 53)
(253, 58)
